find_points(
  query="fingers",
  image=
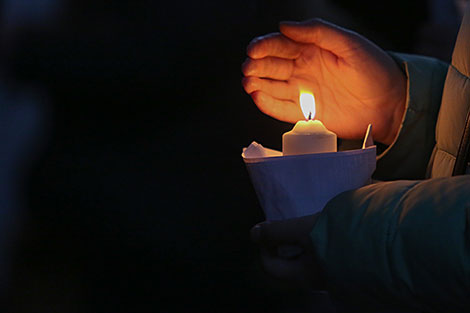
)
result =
(283, 110)
(275, 45)
(269, 67)
(291, 270)
(298, 263)
(277, 89)
(285, 232)
(323, 34)
(303, 271)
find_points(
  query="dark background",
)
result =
(139, 200)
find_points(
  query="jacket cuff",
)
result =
(409, 153)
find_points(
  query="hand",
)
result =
(287, 252)
(354, 81)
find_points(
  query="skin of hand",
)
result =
(287, 251)
(354, 81)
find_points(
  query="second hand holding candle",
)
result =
(309, 136)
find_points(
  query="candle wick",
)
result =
(309, 116)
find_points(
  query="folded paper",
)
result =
(299, 185)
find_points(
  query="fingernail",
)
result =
(255, 233)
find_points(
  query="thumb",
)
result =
(321, 33)
(285, 232)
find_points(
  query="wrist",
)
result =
(393, 125)
(397, 110)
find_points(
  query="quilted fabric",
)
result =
(454, 106)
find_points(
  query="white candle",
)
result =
(309, 136)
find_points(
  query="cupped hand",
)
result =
(355, 83)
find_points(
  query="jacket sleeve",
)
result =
(407, 157)
(398, 244)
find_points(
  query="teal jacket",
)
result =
(405, 242)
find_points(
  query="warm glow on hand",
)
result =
(355, 82)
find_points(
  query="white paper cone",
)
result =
(299, 185)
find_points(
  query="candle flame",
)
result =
(307, 104)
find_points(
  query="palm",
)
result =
(356, 85)
(346, 98)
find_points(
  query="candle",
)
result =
(309, 136)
